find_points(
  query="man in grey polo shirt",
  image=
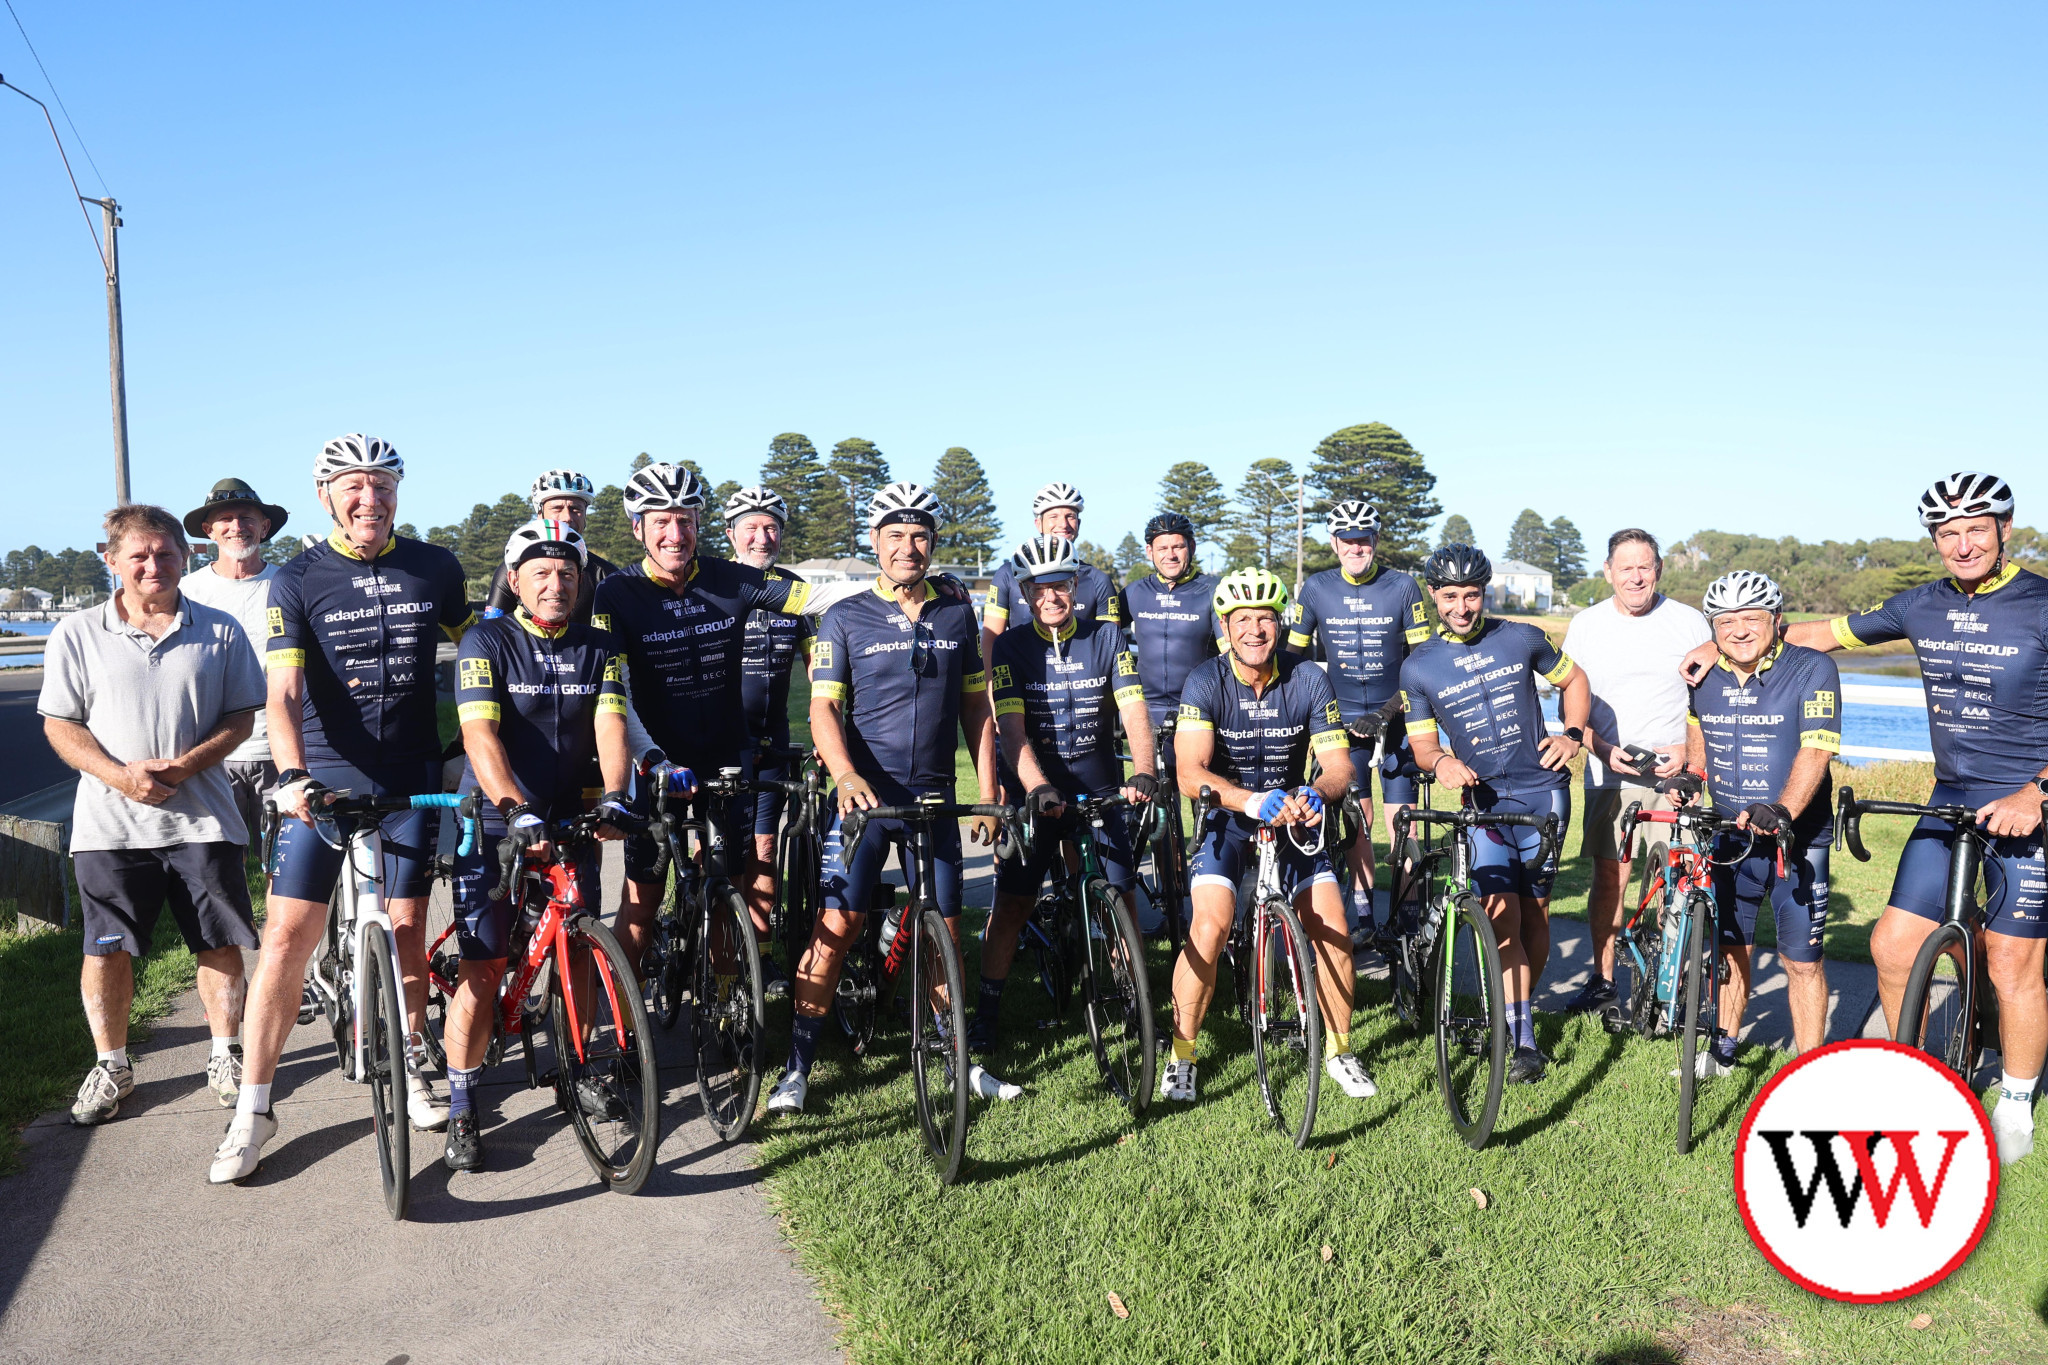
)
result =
(238, 583)
(146, 696)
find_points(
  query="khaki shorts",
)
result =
(1604, 808)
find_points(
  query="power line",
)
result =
(60, 100)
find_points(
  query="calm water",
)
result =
(24, 628)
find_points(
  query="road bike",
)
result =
(1082, 932)
(704, 945)
(799, 852)
(916, 934)
(1273, 971)
(1156, 826)
(571, 982)
(1446, 960)
(1354, 820)
(353, 979)
(1671, 941)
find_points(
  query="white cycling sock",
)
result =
(223, 1042)
(115, 1059)
(254, 1099)
(2018, 1089)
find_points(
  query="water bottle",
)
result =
(890, 925)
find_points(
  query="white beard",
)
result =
(241, 554)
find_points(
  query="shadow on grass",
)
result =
(1635, 1350)
(1609, 1047)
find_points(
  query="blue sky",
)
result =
(1766, 268)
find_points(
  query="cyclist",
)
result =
(1762, 728)
(1249, 720)
(1059, 684)
(1365, 618)
(1981, 638)
(539, 697)
(350, 657)
(895, 673)
(1055, 511)
(754, 520)
(1476, 724)
(558, 495)
(1171, 617)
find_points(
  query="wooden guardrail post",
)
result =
(32, 874)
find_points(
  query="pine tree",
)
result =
(1091, 553)
(1191, 490)
(1264, 509)
(1529, 540)
(857, 469)
(794, 470)
(608, 530)
(1567, 554)
(1130, 559)
(1241, 553)
(969, 531)
(1457, 531)
(1374, 463)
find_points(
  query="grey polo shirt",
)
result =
(144, 698)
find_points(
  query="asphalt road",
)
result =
(27, 763)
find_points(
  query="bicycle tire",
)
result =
(1287, 1021)
(798, 881)
(384, 1037)
(1045, 935)
(1943, 1022)
(1170, 871)
(855, 1003)
(1117, 999)
(1406, 894)
(728, 1019)
(662, 972)
(1468, 1007)
(938, 1050)
(1696, 992)
(1237, 947)
(618, 1059)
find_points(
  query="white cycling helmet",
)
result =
(1057, 495)
(663, 488)
(1354, 518)
(903, 502)
(1045, 557)
(347, 454)
(748, 501)
(1742, 590)
(562, 483)
(1965, 493)
(545, 538)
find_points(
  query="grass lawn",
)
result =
(1222, 1242)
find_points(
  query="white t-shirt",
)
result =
(1631, 662)
(245, 599)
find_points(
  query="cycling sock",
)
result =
(461, 1089)
(254, 1099)
(803, 1042)
(1521, 1027)
(115, 1059)
(989, 1003)
(1336, 1044)
(1724, 1048)
(224, 1044)
(2019, 1090)
(1184, 1049)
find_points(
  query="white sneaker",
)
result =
(427, 1111)
(1177, 1082)
(789, 1094)
(99, 1099)
(2012, 1127)
(1705, 1066)
(1349, 1073)
(991, 1087)
(241, 1151)
(224, 1077)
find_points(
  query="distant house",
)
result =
(1518, 587)
(28, 599)
(835, 571)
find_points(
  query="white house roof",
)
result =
(1519, 569)
(850, 568)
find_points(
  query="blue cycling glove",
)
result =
(1270, 805)
(1313, 797)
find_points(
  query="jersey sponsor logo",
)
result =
(999, 676)
(475, 673)
(1976, 713)
(602, 620)
(1821, 707)
(1415, 612)
(1190, 711)
(615, 668)
(1294, 613)
(1968, 647)
(1126, 666)
(1331, 715)
(821, 654)
(275, 616)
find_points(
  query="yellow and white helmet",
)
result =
(1252, 587)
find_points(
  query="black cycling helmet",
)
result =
(1169, 524)
(1458, 566)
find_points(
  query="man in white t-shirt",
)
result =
(238, 583)
(1629, 646)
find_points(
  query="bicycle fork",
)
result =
(363, 888)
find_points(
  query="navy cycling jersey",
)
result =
(684, 650)
(1174, 627)
(774, 642)
(1263, 740)
(499, 599)
(1478, 695)
(900, 683)
(1754, 731)
(1366, 626)
(1067, 687)
(545, 689)
(1094, 597)
(363, 630)
(1984, 663)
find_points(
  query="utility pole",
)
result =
(1300, 523)
(117, 372)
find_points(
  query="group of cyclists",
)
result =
(588, 682)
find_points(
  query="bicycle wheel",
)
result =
(1468, 1001)
(1237, 947)
(1938, 1012)
(855, 1002)
(938, 1044)
(1287, 1023)
(798, 878)
(1406, 957)
(1044, 938)
(610, 1086)
(1697, 1008)
(384, 1039)
(663, 971)
(727, 1018)
(1117, 1001)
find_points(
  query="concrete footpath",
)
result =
(116, 1248)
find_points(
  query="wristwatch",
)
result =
(1576, 735)
(291, 775)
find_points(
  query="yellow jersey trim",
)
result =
(539, 628)
(610, 704)
(285, 658)
(1565, 667)
(1844, 636)
(1124, 696)
(1830, 740)
(1009, 706)
(1993, 583)
(831, 691)
(341, 545)
(479, 710)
